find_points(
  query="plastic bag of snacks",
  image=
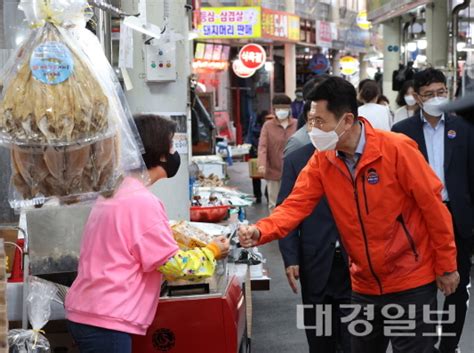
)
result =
(63, 113)
(189, 237)
(40, 295)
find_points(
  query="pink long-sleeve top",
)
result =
(126, 238)
(273, 139)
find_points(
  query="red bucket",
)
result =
(212, 214)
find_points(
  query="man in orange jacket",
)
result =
(387, 206)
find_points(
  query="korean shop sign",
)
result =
(252, 56)
(326, 32)
(230, 22)
(280, 25)
(242, 71)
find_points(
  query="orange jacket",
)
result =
(392, 222)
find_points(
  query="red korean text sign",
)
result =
(253, 56)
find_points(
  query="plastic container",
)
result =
(211, 214)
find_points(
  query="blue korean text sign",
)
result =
(51, 63)
(230, 22)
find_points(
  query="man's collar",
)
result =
(361, 145)
(423, 118)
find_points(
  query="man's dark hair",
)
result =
(156, 133)
(340, 95)
(403, 92)
(427, 77)
(281, 99)
(370, 91)
(303, 118)
(310, 84)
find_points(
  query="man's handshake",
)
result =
(248, 236)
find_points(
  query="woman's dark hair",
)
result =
(403, 92)
(281, 99)
(156, 133)
(340, 95)
(427, 77)
(370, 91)
(382, 98)
(362, 83)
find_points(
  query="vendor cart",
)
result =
(215, 322)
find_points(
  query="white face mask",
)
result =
(282, 114)
(325, 140)
(410, 100)
(433, 106)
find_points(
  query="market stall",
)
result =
(74, 140)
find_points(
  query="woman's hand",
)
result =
(223, 244)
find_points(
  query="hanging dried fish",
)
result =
(65, 170)
(54, 98)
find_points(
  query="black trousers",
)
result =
(256, 183)
(418, 334)
(257, 188)
(337, 292)
(448, 344)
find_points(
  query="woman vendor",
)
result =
(127, 247)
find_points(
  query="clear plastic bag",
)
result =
(63, 113)
(40, 295)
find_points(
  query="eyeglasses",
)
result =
(432, 94)
(316, 122)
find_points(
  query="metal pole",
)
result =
(454, 41)
(104, 32)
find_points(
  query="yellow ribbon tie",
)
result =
(36, 333)
(48, 14)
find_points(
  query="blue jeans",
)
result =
(91, 339)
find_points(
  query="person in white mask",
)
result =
(407, 102)
(446, 142)
(386, 203)
(273, 138)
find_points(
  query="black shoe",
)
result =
(258, 200)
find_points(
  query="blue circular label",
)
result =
(373, 178)
(51, 63)
(451, 134)
(319, 64)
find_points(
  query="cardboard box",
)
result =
(253, 169)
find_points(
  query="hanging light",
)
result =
(469, 46)
(411, 46)
(421, 59)
(268, 66)
(460, 46)
(422, 44)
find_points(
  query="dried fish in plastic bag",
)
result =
(65, 170)
(63, 113)
(54, 98)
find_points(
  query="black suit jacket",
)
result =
(312, 244)
(458, 165)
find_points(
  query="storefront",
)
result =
(236, 96)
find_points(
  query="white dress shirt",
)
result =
(434, 141)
